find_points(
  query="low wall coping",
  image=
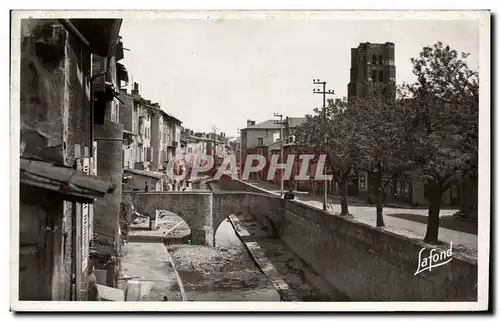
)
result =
(382, 230)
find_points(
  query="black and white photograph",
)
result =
(250, 160)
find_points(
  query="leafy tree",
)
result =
(446, 105)
(382, 126)
(327, 132)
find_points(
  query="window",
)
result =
(134, 121)
(403, 189)
(400, 188)
(454, 192)
(374, 59)
(406, 189)
(260, 141)
(380, 60)
(381, 75)
(117, 112)
(362, 182)
(374, 75)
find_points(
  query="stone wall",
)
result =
(44, 121)
(226, 183)
(371, 264)
(362, 261)
(267, 209)
(138, 182)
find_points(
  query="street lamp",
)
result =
(323, 92)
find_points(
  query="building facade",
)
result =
(264, 139)
(58, 152)
(154, 136)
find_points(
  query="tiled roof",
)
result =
(63, 179)
(144, 173)
(269, 124)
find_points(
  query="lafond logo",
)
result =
(435, 259)
(253, 163)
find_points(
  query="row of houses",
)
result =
(153, 138)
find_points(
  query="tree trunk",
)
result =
(475, 200)
(379, 197)
(436, 193)
(466, 199)
(343, 195)
(469, 202)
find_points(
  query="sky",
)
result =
(221, 72)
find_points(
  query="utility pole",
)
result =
(323, 131)
(240, 147)
(215, 138)
(281, 145)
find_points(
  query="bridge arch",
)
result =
(178, 229)
(204, 211)
(195, 208)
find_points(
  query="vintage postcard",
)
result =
(277, 160)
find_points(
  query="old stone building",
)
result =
(58, 154)
(372, 67)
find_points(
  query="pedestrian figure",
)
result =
(146, 187)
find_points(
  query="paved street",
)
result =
(150, 263)
(408, 222)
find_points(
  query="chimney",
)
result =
(135, 90)
(250, 122)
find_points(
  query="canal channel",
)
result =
(225, 272)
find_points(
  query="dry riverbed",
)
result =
(225, 272)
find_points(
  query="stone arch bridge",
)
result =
(204, 211)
